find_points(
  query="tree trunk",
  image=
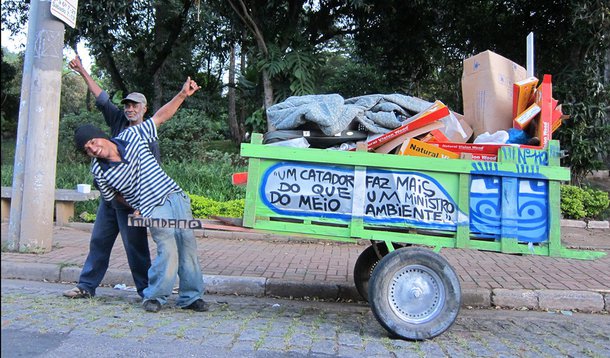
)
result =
(268, 91)
(236, 136)
(157, 94)
(242, 68)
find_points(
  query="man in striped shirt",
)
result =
(111, 217)
(125, 169)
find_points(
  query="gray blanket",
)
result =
(377, 113)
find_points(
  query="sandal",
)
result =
(77, 292)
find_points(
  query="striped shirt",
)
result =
(138, 177)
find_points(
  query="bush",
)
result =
(201, 206)
(204, 207)
(188, 135)
(583, 203)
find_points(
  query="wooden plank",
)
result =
(390, 161)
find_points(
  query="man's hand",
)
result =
(76, 65)
(189, 87)
(169, 109)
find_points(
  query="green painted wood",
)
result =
(463, 200)
(554, 215)
(304, 230)
(252, 185)
(376, 160)
(514, 163)
(554, 207)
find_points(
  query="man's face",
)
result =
(98, 148)
(134, 112)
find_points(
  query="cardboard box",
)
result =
(420, 149)
(523, 94)
(433, 113)
(524, 119)
(390, 145)
(545, 122)
(487, 90)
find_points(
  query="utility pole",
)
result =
(33, 196)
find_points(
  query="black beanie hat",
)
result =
(85, 133)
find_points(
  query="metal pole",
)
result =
(33, 196)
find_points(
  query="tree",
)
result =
(284, 35)
(139, 44)
(420, 46)
(10, 91)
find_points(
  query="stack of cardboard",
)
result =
(497, 96)
(427, 125)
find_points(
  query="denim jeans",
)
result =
(111, 219)
(176, 254)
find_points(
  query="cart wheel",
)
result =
(415, 293)
(365, 264)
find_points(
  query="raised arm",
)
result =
(169, 109)
(77, 66)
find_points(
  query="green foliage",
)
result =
(585, 135)
(188, 134)
(204, 207)
(580, 203)
(66, 150)
(572, 206)
(296, 66)
(340, 74)
(86, 216)
(208, 175)
(73, 93)
(201, 206)
(10, 92)
(256, 122)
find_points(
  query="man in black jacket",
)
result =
(111, 217)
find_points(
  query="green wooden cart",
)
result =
(409, 208)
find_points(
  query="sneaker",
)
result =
(152, 305)
(77, 292)
(198, 306)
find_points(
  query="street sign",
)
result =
(65, 10)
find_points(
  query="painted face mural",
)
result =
(527, 215)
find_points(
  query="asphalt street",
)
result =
(38, 322)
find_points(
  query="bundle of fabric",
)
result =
(332, 113)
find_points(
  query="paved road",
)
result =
(36, 321)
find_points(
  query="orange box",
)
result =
(418, 148)
(524, 119)
(523, 92)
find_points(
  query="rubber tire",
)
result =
(380, 287)
(363, 269)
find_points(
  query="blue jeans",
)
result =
(111, 219)
(176, 254)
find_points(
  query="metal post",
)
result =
(31, 215)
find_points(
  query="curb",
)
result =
(585, 224)
(582, 301)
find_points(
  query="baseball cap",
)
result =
(135, 97)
